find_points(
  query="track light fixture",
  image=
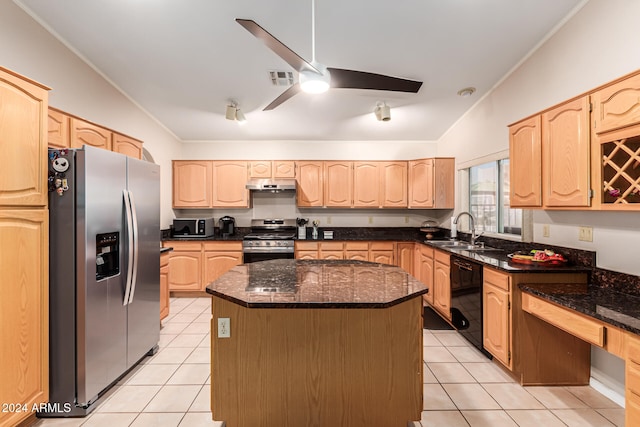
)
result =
(233, 112)
(382, 112)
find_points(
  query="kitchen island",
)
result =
(316, 343)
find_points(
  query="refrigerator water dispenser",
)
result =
(107, 255)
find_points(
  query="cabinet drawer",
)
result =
(331, 246)
(222, 246)
(356, 246)
(381, 246)
(632, 379)
(562, 318)
(185, 246)
(633, 350)
(441, 257)
(306, 246)
(496, 278)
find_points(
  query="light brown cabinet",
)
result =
(374, 251)
(496, 323)
(310, 180)
(356, 251)
(192, 183)
(229, 184)
(632, 382)
(83, 132)
(338, 184)
(382, 252)
(126, 145)
(525, 163)
(272, 169)
(424, 269)
(617, 106)
(58, 129)
(394, 184)
(441, 283)
(220, 257)
(431, 183)
(405, 255)
(379, 184)
(164, 285)
(24, 247)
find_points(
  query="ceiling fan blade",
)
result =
(283, 97)
(279, 48)
(351, 79)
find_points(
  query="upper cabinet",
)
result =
(581, 154)
(83, 132)
(127, 145)
(617, 106)
(272, 169)
(338, 184)
(310, 191)
(431, 183)
(210, 184)
(23, 132)
(525, 152)
(58, 129)
(380, 184)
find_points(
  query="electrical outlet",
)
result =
(224, 327)
(406, 220)
(545, 230)
(328, 220)
(585, 234)
(370, 220)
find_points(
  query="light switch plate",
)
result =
(585, 234)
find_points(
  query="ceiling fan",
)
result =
(315, 77)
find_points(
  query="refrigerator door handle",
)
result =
(134, 220)
(129, 219)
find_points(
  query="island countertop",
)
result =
(316, 284)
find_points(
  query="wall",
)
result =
(598, 44)
(27, 48)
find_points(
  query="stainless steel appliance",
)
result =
(193, 227)
(227, 226)
(269, 239)
(272, 185)
(466, 300)
(104, 273)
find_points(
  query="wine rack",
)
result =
(621, 171)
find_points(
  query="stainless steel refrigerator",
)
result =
(104, 272)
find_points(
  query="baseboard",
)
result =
(607, 391)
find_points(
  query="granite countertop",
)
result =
(612, 307)
(316, 284)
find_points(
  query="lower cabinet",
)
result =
(442, 284)
(496, 296)
(164, 285)
(424, 269)
(380, 252)
(193, 265)
(632, 382)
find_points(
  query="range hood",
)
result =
(272, 185)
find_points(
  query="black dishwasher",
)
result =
(466, 300)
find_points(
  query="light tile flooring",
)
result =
(462, 388)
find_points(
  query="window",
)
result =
(489, 199)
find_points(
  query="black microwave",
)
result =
(193, 227)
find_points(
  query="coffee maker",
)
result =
(227, 226)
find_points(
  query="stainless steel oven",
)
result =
(269, 239)
(466, 300)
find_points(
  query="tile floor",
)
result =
(462, 388)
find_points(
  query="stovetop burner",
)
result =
(270, 236)
(272, 229)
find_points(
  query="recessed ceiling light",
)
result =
(467, 91)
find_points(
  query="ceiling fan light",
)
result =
(312, 82)
(230, 114)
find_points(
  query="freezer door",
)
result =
(101, 326)
(144, 307)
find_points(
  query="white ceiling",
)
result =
(183, 60)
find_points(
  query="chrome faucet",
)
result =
(472, 224)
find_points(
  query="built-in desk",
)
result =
(601, 317)
(317, 343)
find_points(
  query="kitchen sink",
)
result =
(460, 245)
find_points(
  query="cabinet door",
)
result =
(525, 163)
(393, 184)
(338, 184)
(260, 169)
(87, 133)
(618, 105)
(24, 307)
(381, 257)
(424, 271)
(229, 185)
(405, 257)
(565, 154)
(192, 181)
(421, 183)
(366, 184)
(443, 176)
(442, 289)
(58, 129)
(185, 271)
(128, 146)
(306, 254)
(284, 169)
(23, 133)
(355, 255)
(310, 179)
(218, 263)
(164, 285)
(495, 322)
